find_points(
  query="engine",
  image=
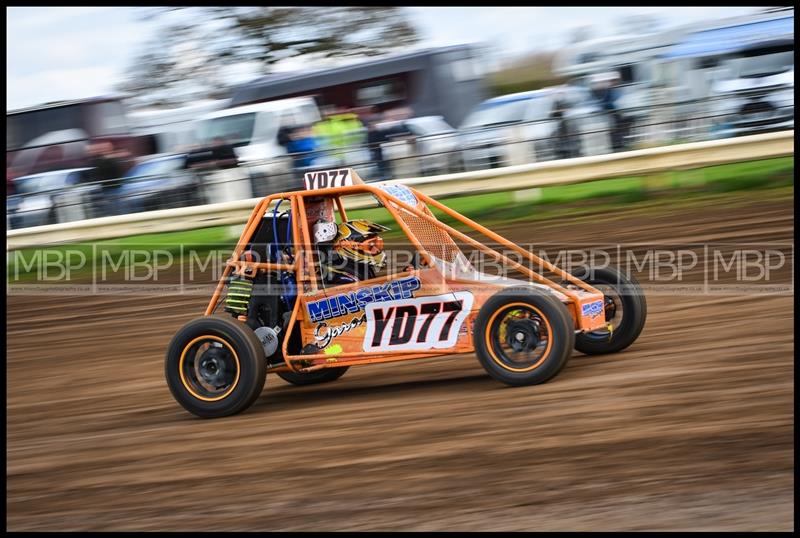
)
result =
(264, 299)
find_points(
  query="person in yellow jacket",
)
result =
(339, 130)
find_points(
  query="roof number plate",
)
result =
(328, 179)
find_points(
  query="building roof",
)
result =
(279, 84)
(279, 104)
(52, 172)
(56, 104)
(520, 96)
(728, 39)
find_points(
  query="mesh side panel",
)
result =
(434, 240)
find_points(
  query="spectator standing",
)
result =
(565, 146)
(219, 154)
(214, 164)
(375, 137)
(223, 154)
(339, 130)
(284, 136)
(393, 128)
(606, 91)
(108, 167)
(302, 146)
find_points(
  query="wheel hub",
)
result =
(212, 368)
(523, 335)
(610, 308)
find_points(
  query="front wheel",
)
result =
(523, 336)
(625, 309)
(215, 367)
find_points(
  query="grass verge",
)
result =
(674, 187)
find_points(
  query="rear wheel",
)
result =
(215, 367)
(523, 336)
(304, 378)
(312, 378)
(625, 309)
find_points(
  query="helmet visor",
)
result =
(372, 245)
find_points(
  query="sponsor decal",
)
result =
(432, 322)
(355, 301)
(327, 179)
(401, 192)
(592, 309)
(333, 350)
(324, 334)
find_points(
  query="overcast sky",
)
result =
(70, 53)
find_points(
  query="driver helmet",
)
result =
(358, 241)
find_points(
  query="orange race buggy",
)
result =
(283, 318)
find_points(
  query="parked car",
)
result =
(524, 127)
(160, 182)
(50, 198)
(55, 135)
(755, 90)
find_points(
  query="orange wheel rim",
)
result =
(211, 373)
(510, 336)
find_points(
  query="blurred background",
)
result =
(113, 111)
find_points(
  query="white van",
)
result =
(754, 90)
(253, 132)
(253, 129)
(174, 129)
(519, 128)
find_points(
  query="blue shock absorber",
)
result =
(287, 278)
(274, 255)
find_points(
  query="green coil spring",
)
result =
(239, 291)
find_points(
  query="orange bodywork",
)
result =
(430, 311)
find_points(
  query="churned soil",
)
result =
(691, 428)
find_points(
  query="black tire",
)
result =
(240, 356)
(312, 378)
(541, 307)
(634, 311)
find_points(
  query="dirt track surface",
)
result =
(689, 429)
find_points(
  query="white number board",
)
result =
(431, 322)
(328, 178)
